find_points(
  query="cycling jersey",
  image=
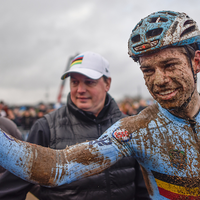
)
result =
(167, 147)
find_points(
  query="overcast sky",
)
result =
(37, 37)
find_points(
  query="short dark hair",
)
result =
(188, 51)
(105, 78)
(191, 51)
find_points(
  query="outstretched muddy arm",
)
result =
(50, 167)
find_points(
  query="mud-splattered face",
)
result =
(168, 77)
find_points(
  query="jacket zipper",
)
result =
(99, 130)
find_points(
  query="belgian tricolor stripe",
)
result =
(175, 187)
(77, 60)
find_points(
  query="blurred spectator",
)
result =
(40, 114)
(10, 114)
(42, 108)
(142, 105)
(51, 107)
(17, 115)
(132, 106)
(27, 121)
(2, 110)
(32, 111)
(129, 110)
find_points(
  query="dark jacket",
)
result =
(70, 125)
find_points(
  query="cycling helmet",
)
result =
(160, 30)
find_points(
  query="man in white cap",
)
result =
(89, 111)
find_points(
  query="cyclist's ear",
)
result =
(197, 62)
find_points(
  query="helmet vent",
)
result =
(158, 19)
(189, 22)
(174, 27)
(135, 39)
(168, 13)
(188, 30)
(154, 32)
(138, 25)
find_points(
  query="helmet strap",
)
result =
(190, 61)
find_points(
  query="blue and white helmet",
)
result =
(160, 30)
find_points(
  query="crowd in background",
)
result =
(132, 106)
(25, 115)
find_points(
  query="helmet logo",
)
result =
(146, 46)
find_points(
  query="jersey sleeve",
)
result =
(49, 167)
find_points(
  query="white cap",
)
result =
(89, 64)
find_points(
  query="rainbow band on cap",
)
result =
(77, 60)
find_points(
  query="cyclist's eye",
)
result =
(147, 71)
(169, 66)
